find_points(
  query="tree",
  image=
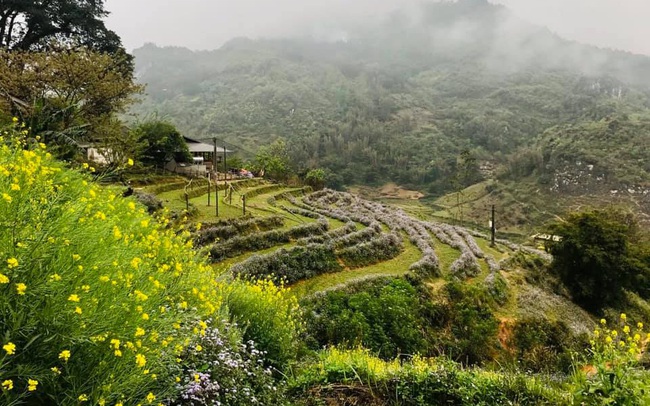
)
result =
(316, 178)
(163, 143)
(596, 258)
(29, 25)
(66, 96)
(274, 160)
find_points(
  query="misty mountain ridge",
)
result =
(400, 99)
(436, 34)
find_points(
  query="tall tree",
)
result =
(36, 24)
(65, 95)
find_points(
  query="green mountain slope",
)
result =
(402, 99)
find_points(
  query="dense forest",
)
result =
(460, 93)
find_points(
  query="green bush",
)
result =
(93, 291)
(385, 316)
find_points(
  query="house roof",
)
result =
(198, 146)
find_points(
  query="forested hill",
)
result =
(402, 99)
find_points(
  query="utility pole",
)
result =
(209, 193)
(214, 158)
(493, 229)
(216, 197)
(225, 167)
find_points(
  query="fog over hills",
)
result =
(199, 24)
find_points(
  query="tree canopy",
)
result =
(36, 24)
(162, 143)
(67, 96)
(600, 254)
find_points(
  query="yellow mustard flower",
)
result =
(83, 398)
(12, 263)
(32, 384)
(151, 397)
(7, 384)
(73, 298)
(140, 360)
(10, 348)
(3, 279)
(21, 288)
(64, 355)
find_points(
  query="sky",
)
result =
(208, 24)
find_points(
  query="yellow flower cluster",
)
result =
(113, 275)
(630, 339)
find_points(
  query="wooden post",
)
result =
(209, 193)
(216, 198)
(244, 203)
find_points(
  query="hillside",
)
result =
(400, 101)
(371, 275)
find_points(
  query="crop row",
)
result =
(378, 249)
(233, 227)
(290, 265)
(254, 242)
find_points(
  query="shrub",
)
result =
(148, 200)
(224, 230)
(384, 315)
(255, 242)
(595, 259)
(290, 266)
(92, 289)
(470, 322)
(378, 249)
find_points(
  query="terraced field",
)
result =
(327, 239)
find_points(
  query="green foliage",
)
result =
(30, 25)
(473, 326)
(544, 346)
(365, 379)
(595, 260)
(274, 161)
(72, 98)
(386, 316)
(316, 178)
(162, 143)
